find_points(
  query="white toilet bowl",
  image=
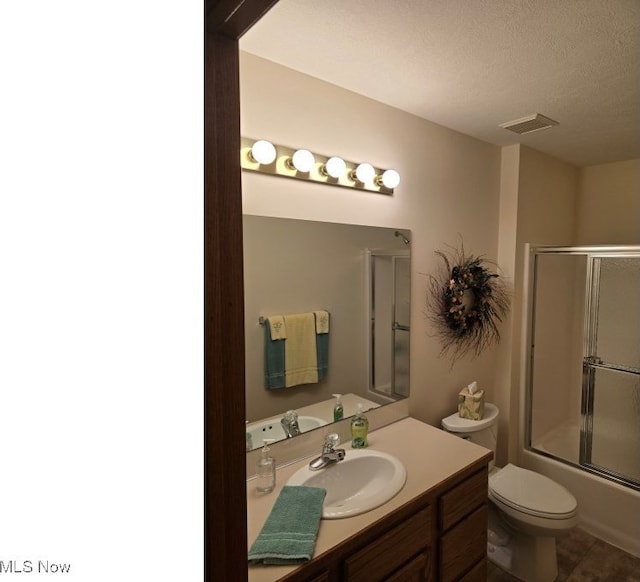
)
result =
(527, 508)
(535, 510)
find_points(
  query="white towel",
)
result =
(277, 327)
(300, 357)
(322, 321)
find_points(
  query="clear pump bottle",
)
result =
(248, 439)
(266, 470)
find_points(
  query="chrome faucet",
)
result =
(289, 423)
(329, 454)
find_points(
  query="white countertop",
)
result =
(430, 456)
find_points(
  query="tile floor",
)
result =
(584, 558)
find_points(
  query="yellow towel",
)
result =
(301, 360)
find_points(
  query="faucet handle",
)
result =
(291, 416)
(331, 440)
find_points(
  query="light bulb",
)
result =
(263, 152)
(364, 173)
(389, 179)
(303, 160)
(335, 167)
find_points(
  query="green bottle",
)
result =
(359, 429)
(338, 411)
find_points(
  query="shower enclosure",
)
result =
(389, 312)
(583, 374)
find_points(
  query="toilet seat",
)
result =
(531, 493)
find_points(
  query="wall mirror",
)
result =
(361, 275)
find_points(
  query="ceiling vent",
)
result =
(529, 124)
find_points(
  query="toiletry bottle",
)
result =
(249, 440)
(266, 470)
(338, 411)
(359, 429)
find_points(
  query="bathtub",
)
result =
(606, 509)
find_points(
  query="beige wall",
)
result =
(608, 210)
(450, 187)
(539, 195)
(507, 245)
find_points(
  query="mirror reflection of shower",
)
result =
(583, 388)
(404, 239)
(389, 301)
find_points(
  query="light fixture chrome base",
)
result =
(282, 166)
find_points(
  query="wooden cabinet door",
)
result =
(464, 545)
(378, 560)
(477, 574)
(460, 501)
(417, 570)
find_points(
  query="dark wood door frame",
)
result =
(225, 523)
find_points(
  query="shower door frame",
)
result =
(589, 340)
(370, 271)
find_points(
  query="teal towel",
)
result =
(322, 354)
(289, 534)
(273, 360)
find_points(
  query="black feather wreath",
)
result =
(465, 303)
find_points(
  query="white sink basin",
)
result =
(272, 429)
(364, 480)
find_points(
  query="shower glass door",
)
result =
(389, 321)
(401, 324)
(610, 440)
(583, 374)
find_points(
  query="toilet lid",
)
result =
(532, 493)
(454, 423)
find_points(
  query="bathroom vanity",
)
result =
(435, 528)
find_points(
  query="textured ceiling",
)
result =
(471, 65)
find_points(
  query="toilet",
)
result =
(527, 510)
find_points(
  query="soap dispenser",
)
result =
(266, 469)
(359, 429)
(338, 410)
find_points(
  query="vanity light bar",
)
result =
(265, 157)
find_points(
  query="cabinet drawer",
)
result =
(377, 560)
(463, 499)
(464, 545)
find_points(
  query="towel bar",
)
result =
(262, 318)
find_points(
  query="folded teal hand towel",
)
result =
(322, 351)
(273, 360)
(289, 534)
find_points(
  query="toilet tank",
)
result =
(482, 432)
